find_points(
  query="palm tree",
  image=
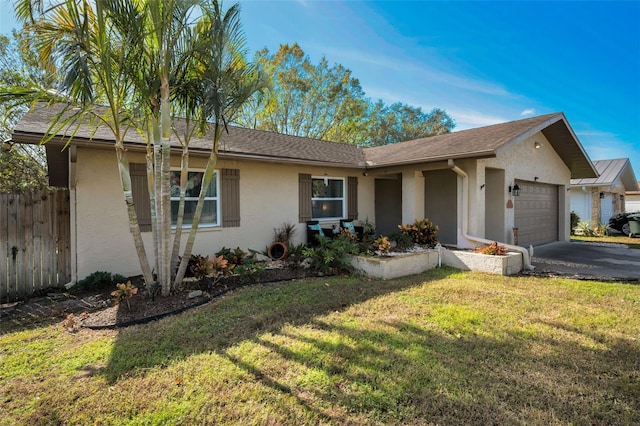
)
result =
(134, 57)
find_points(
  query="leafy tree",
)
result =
(323, 102)
(305, 99)
(144, 61)
(22, 168)
(387, 124)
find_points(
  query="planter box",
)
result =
(395, 266)
(509, 264)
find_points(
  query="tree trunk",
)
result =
(125, 180)
(206, 180)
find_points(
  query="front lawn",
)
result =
(445, 347)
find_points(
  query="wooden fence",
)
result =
(35, 243)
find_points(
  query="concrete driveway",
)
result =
(591, 260)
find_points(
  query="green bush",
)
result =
(422, 232)
(575, 220)
(331, 255)
(236, 256)
(99, 280)
(402, 241)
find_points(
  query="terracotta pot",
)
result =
(278, 251)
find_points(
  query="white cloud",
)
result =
(472, 119)
(409, 68)
(528, 111)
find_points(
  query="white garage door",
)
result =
(536, 213)
(632, 206)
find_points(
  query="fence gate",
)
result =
(35, 243)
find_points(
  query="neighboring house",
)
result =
(474, 184)
(595, 200)
(632, 200)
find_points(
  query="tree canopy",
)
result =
(326, 102)
(134, 65)
(22, 168)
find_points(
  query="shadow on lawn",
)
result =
(396, 371)
(229, 320)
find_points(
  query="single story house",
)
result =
(632, 200)
(596, 199)
(476, 185)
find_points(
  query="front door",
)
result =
(388, 205)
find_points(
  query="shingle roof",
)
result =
(609, 171)
(482, 141)
(486, 142)
(263, 145)
(257, 144)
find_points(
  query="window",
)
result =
(211, 208)
(327, 198)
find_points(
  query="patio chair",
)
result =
(314, 230)
(349, 225)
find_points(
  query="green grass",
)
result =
(441, 348)
(633, 243)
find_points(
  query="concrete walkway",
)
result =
(589, 260)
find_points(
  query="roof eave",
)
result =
(472, 155)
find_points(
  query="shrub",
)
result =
(347, 235)
(234, 257)
(285, 233)
(401, 241)
(575, 220)
(124, 292)
(381, 245)
(99, 280)
(492, 249)
(200, 266)
(331, 255)
(422, 232)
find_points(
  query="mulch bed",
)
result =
(96, 310)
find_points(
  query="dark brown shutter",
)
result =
(304, 197)
(352, 197)
(230, 189)
(140, 194)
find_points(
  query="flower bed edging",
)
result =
(396, 266)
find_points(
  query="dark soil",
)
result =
(97, 310)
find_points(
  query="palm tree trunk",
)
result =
(165, 188)
(125, 180)
(184, 175)
(206, 180)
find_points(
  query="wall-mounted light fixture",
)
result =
(514, 190)
(601, 195)
(537, 145)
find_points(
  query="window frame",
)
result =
(343, 198)
(217, 198)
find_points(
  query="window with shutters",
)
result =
(327, 198)
(211, 208)
(221, 203)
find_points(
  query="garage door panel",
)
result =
(536, 213)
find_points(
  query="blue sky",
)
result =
(483, 62)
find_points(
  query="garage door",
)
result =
(536, 213)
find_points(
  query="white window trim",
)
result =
(344, 198)
(216, 176)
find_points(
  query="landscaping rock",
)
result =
(194, 294)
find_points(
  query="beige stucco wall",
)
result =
(522, 161)
(268, 198)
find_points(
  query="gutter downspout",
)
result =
(526, 257)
